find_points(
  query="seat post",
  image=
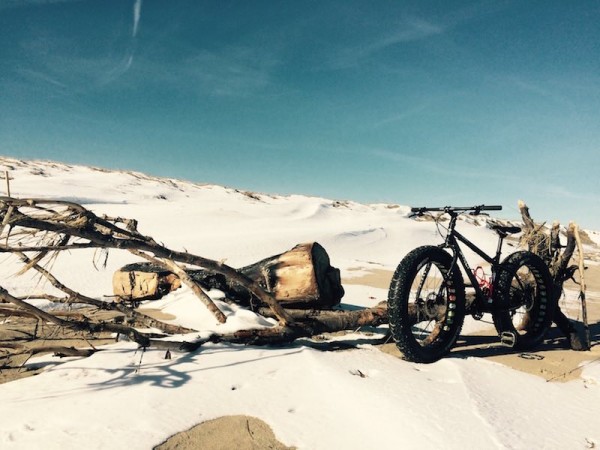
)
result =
(499, 248)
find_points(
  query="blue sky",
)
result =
(410, 102)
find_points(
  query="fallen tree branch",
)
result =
(60, 351)
(46, 227)
(582, 286)
(308, 323)
(9, 312)
(79, 222)
(90, 327)
(134, 317)
(336, 320)
(185, 278)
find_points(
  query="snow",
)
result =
(123, 398)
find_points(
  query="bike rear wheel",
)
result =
(426, 304)
(524, 287)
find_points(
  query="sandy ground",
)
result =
(226, 433)
(552, 361)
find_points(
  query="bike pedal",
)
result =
(508, 338)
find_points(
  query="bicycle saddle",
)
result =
(503, 230)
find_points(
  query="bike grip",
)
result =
(492, 208)
(422, 209)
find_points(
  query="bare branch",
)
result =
(185, 278)
(76, 325)
(79, 222)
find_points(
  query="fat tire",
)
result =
(537, 316)
(399, 297)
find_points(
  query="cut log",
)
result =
(299, 278)
(143, 281)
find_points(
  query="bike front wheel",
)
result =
(524, 291)
(426, 304)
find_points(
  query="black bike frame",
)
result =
(451, 242)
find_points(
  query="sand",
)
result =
(552, 361)
(226, 433)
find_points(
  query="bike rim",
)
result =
(525, 292)
(428, 303)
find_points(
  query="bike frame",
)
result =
(452, 242)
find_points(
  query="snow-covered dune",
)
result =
(121, 398)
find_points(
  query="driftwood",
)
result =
(134, 318)
(37, 230)
(143, 281)
(546, 244)
(70, 226)
(308, 323)
(298, 278)
(76, 325)
(582, 287)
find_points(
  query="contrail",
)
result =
(137, 11)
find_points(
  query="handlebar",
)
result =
(454, 209)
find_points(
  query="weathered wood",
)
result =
(185, 278)
(143, 282)
(582, 287)
(50, 226)
(308, 324)
(547, 246)
(15, 312)
(62, 351)
(78, 222)
(135, 318)
(10, 312)
(337, 320)
(76, 325)
(298, 278)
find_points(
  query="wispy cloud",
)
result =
(400, 157)
(137, 12)
(403, 115)
(513, 180)
(57, 61)
(412, 29)
(555, 191)
(8, 4)
(408, 30)
(442, 165)
(54, 65)
(530, 86)
(234, 71)
(116, 71)
(32, 74)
